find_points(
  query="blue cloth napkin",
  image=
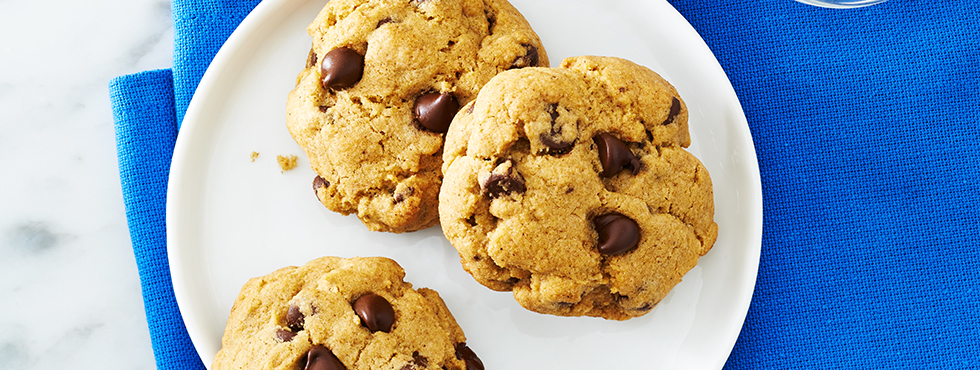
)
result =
(148, 108)
(865, 123)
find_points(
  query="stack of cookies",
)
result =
(569, 186)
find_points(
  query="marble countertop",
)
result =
(69, 288)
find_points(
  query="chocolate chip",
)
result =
(614, 155)
(617, 233)
(294, 318)
(321, 358)
(400, 197)
(498, 185)
(469, 357)
(341, 68)
(502, 180)
(419, 359)
(556, 146)
(529, 59)
(554, 139)
(285, 335)
(435, 111)
(675, 109)
(375, 312)
(383, 22)
(319, 182)
(311, 59)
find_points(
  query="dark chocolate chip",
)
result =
(321, 358)
(503, 180)
(498, 185)
(311, 59)
(675, 109)
(419, 359)
(323, 108)
(400, 197)
(614, 155)
(513, 280)
(556, 146)
(341, 68)
(617, 233)
(319, 182)
(469, 357)
(285, 335)
(435, 111)
(553, 138)
(384, 21)
(375, 312)
(529, 59)
(569, 190)
(294, 318)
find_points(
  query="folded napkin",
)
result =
(865, 124)
(148, 108)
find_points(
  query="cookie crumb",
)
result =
(254, 155)
(286, 163)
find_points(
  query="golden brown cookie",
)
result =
(335, 313)
(571, 187)
(382, 82)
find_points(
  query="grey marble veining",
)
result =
(69, 289)
(32, 238)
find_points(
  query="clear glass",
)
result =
(841, 3)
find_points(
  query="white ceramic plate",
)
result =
(230, 219)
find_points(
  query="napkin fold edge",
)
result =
(145, 124)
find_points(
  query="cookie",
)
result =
(335, 313)
(570, 186)
(382, 82)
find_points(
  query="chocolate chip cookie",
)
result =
(381, 85)
(570, 186)
(335, 313)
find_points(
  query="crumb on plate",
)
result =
(286, 163)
